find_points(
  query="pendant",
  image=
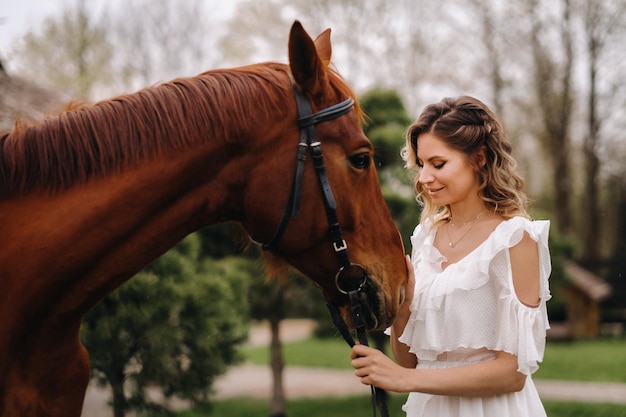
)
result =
(452, 244)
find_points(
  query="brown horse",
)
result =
(91, 196)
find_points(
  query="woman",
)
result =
(472, 332)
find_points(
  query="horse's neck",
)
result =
(62, 253)
(91, 238)
(68, 250)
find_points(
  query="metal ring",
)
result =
(349, 274)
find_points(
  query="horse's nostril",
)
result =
(375, 322)
(402, 294)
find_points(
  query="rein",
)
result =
(351, 278)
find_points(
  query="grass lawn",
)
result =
(596, 360)
(315, 353)
(360, 406)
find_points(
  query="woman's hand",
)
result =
(375, 368)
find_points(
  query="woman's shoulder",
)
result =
(517, 228)
(526, 241)
(517, 237)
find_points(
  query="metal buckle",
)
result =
(342, 246)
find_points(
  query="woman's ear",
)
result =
(481, 157)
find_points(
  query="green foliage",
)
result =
(388, 139)
(405, 212)
(176, 324)
(383, 107)
(386, 127)
(387, 123)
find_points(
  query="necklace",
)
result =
(471, 223)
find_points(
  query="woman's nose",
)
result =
(424, 176)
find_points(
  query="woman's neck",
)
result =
(466, 213)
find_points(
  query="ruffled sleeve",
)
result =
(522, 329)
(472, 305)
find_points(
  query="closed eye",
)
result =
(436, 165)
(360, 160)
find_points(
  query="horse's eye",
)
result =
(361, 160)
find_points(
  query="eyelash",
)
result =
(421, 165)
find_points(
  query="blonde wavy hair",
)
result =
(468, 125)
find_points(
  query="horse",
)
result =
(90, 196)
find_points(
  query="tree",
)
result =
(617, 271)
(158, 40)
(274, 299)
(70, 54)
(376, 44)
(175, 325)
(491, 37)
(255, 33)
(553, 89)
(603, 25)
(267, 302)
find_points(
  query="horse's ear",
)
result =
(307, 67)
(323, 46)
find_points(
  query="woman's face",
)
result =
(446, 173)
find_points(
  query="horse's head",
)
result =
(305, 241)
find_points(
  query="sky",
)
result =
(17, 17)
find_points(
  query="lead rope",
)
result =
(379, 396)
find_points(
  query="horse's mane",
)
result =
(91, 140)
(95, 139)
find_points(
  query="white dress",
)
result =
(462, 314)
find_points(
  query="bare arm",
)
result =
(525, 267)
(494, 377)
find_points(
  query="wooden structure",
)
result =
(584, 294)
(20, 99)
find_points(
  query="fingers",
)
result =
(410, 286)
(359, 351)
(411, 271)
(373, 367)
(360, 360)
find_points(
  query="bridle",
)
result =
(351, 279)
